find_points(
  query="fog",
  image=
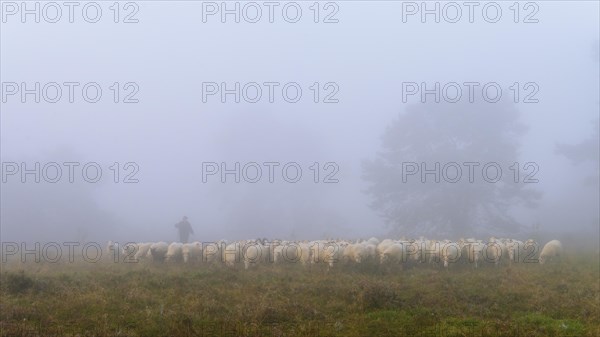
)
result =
(359, 139)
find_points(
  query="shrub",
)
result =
(17, 283)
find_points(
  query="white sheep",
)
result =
(287, 252)
(383, 245)
(113, 248)
(129, 250)
(158, 250)
(143, 251)
(433, 249)
(231, 254)
(305, 256)
(551, 251)
(277, 251)
(358, 252)
(373, 241)
(473, 251)
(371, 252)
(192, 252)
(315, 248)
(333, 253)
(494, 251)
(413, 250)
(348, 254)
(393, 254)
(174, 252)
(450, 252)
(515, 249)
(253, 253)
(329, 252)
(212, 251)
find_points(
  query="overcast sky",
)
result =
(170, 132)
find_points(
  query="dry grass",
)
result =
(108, 299)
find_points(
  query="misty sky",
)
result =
(369, 53)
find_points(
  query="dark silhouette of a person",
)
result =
(185, 229)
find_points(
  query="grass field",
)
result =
(145, 299)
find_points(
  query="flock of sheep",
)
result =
(331, 252)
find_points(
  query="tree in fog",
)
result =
(587, 150)
(427, 134)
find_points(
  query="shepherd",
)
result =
(185, 229)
